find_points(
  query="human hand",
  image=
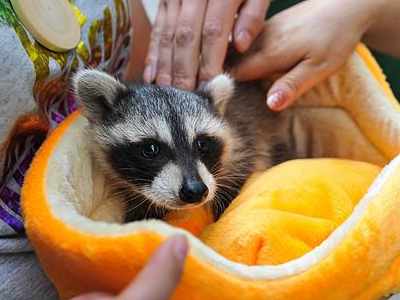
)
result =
(158, 279)
(186, 30)
(309, 42)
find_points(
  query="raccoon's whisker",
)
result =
(115, 194)
(225, 196)
(222, 195)
(216, 167)
(231, 179)
(229, 187)
(243, 169)
(138, 205)
(156, 207)
(132, 198)
(116, 187)
(141, 202)
(229, 184)
(139, 180)
(113, 184)
(116, 190)
(220, 206)
(223, 173)
(160, 208)
(228, 194)
(124, 193)
(148, 209)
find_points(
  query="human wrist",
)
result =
(368, 12)
(355, 15)
(372, 12)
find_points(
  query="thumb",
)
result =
(295, 83)
(161, 275)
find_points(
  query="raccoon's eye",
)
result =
(150, 150)
(202, 145)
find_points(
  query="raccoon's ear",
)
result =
(220, 89)
(96, 92)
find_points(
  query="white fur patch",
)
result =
(221, 89)
(155, 128)
(206, 125)
(166, 185)
(208, 180)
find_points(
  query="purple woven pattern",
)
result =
(106, 35)
(61, 108)
(10, 211)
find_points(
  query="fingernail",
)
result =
(243, 40)
(181, 247)
(276, 100)
(147, 74)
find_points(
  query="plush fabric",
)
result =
(289, 210)
(306, 229)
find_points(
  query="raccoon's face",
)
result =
(165, 144)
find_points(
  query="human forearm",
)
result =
(383, 33)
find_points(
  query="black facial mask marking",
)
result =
(128, 161)
(211, 155)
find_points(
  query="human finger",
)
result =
(159, 278)
(296, 82)
(218, 22)
(249, 23)
(164, 64)
(187, 44)
(254, 65)
(150, 70)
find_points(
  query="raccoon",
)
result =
(165, 149)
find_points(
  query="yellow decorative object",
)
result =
(306, 229)
(54, 23)
(79, 15)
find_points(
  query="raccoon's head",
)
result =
(166, 144)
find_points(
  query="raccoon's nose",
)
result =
(193, 191)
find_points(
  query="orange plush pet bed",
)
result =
(306, 229)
